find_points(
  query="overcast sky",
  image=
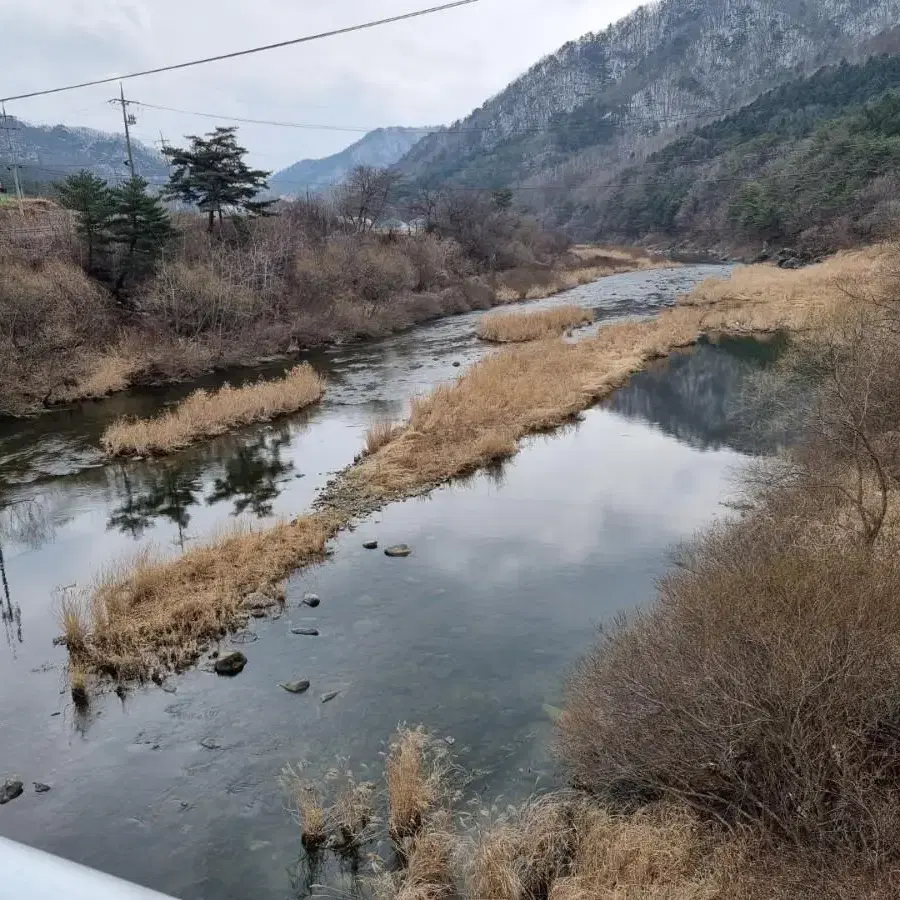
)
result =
(426, 71)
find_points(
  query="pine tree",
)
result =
(213, 176)
(91, 200)
(141, 227)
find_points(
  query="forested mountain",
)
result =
(613, 96)
(814, 164)
(48, 153)
(381, 148)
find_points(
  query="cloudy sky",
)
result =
(430, 70)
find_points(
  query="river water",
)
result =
(472, 635)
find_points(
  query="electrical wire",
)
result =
(222, 56)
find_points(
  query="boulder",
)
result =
(398, 550)
(231, 663)
(295, 687)
(9, 790)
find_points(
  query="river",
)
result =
(472, 635)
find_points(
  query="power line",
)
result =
(222, 56)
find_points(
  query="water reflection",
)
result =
(169, 494)
(23, 522)
(254, 475)
(251, 479)
(704, 396)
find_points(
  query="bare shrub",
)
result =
(747, 693)
(51, 315)
(192, 300)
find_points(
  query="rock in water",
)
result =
(295, 687)
(9, 790)
(40, 787)
(370, 545)
(398, 550)
(311, 600)
(308, 632)
(231, 663)
(329, 696)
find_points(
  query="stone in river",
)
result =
(9, 790)
(311, 600)
(307, 632)
(329, 696)
(398, 550)
(370, 545)
(456, 365)
(295, 687)
(231, 663)
(40, 787)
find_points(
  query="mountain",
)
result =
(49, 153)
(382, 148)
(611, 97)
(814, 164)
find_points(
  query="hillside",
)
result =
(599, 102)
(382, 147)
(814, 164)
(48, 153)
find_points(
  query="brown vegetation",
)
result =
(204, 414)
(760, 690)
(569, 846)
(272, 286)
(518, 327)
(152, 613)
(454, 430)
(414, 775)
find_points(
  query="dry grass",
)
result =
(415, 777)
(151, 612)
(479, 418)
(379, 434)
(204, 414)
(532, 326)
(308, 808)
(159, 612)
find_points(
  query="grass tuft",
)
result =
(415, 774)
(519, 327)
(204, 414)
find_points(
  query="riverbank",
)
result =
(452, 431)
(736, 738)
(228, 300)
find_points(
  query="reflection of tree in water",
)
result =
(22, 522)
(169, 494)
(253, 475)
(705, 397)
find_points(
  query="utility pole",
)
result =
(129, 120)
(15, 160)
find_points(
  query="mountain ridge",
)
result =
(609, 96)
(47, 153)
(382, 148)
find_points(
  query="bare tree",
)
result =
(364, 197)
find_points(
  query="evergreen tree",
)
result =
(213, 176)
(141, 227)
(91, 200)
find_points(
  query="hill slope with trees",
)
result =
(814, 164)
(584, 112)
